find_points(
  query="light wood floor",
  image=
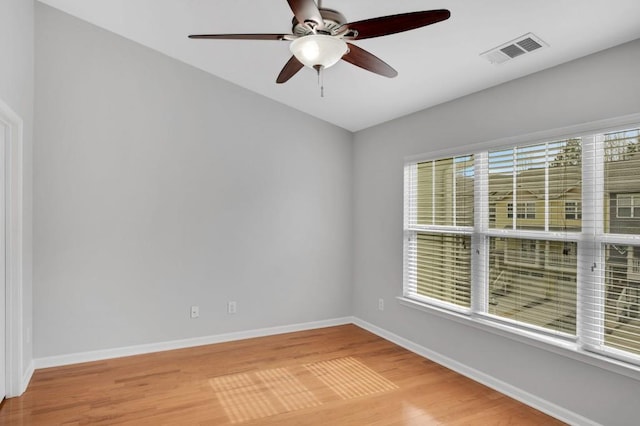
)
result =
(332, 376)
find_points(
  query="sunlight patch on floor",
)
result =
(242, 398)
(259, 394)
(349, 378)
(289, 391)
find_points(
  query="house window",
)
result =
(444, 267)
(622, 301)
(495, 222)
(523, 210)
(548, 172)
(534, 293)
(572, 210)
(628, 206)
(615, 287)
(492, 216)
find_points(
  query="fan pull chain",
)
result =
(319, 69)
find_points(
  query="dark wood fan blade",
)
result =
(239, 36)
(392, 24)
(289, 70)
(305, 11)
(363, 59)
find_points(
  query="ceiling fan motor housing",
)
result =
(332, 21)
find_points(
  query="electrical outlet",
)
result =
(232, 307)
(381, 304)
(195, 312)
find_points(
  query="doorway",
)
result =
(13, 376)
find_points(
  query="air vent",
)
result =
(518, 47)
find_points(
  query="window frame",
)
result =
(571, 346)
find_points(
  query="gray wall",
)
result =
(600, 86)
(158, 186)
(16, 90)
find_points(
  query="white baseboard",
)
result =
(67, 359)
(26, 377)
(540, 404)
(21, 386)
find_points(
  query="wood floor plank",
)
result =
(333, 376)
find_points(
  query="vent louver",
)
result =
(521, 45)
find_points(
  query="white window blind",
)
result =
(534, 282)
(551, 245)
(532, 266)
(443, 267)
(445, 192)
(613, 296)
(438, 226)
(533, 184)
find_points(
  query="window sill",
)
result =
(555, 345)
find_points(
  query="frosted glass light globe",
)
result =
(318, 50)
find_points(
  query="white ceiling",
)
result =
(436, 64)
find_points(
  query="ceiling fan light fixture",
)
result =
(317, 39)
(318, 50)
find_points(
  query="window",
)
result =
(492, 216)
(527, 242)
(613, 323)
(622, 300)
(439, 224)
(627, 206)
(572, 210)
(444, 267)
(512, 236)
(537, 285)
(523, 210)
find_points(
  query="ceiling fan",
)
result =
(320, 37)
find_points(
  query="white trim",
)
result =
(479, 249)
(534, 234)
(26, 377)
(487, 380)
(13, 251)
(67, 359)
(554, 344)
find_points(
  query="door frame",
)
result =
(16, 376)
